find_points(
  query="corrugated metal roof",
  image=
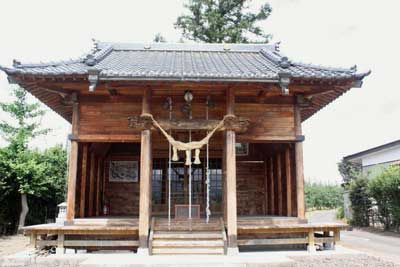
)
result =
(369, 151)
(202, 62)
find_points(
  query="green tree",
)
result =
(385, 189)
(361, 203)
(349, 171)
(49, 182)
(22, 164)
(158, 38)
(223, 21)
(320, 196)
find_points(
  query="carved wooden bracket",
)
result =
(140, 122)
(237, 124)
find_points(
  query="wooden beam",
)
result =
(107, 138)
(230, 142)
(279, 184)
(272, 241)
(288, 176)
(73, 163)
(83, 180)
(238, 124)
(145, 177)
(299, 166)
(91, 182)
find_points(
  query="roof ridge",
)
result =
(218, 47)
(18, 64)
(286, 62)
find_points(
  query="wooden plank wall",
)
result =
(123, 197)
(268, 122)
(107, 117)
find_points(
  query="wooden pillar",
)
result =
(91, 182)
(266, 202)
(288, 175)
(83, 180)
(60, 244)
(230, 144)
(73, 161)
(271, 186)
(279, 183)
(145, 179)
(311, 241)
(224, 191)
(98, 180)
(299, 166)
(33, 240)
(103, 187)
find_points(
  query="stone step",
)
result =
(187, 244)
(188, 251)
(187, 235)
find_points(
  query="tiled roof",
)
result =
(197, 62)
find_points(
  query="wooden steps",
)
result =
(183, 237)
(187, 251)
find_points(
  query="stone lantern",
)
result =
(62, 213)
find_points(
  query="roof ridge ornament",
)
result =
(277, 46)
(90, 60)
(227, 47)
(16, 63)
(95, 44)
(284, 62)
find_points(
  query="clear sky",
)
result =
(329, 32)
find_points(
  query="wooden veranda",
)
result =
(196, 237)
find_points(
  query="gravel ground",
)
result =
(359, 260)
(11, 244)
(343, 260)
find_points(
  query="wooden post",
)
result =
(33, 240)
(336, 235)
(60, 244)
(145, 180)
(299, 166)
(271, 186)
(224, 191)
(103, 187)
(91, 182)
(230, 143)
(73, 162)
(311, 241)
(98, 187)
(279, 183)
(266, 202)
(83, 180)
(288, 182)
